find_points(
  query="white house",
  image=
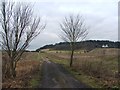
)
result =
(104, 46)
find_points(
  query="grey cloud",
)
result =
(100, 16)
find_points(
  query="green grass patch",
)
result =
(64, 62)
(34, 83)
(88, 80)
(35, 80)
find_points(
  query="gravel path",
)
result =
(55, 76)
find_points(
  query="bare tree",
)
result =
(19, 28)
(73, 29)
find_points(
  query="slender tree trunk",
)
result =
(13, 67)
(72, 54)
(71, 59)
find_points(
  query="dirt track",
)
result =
(55, 76)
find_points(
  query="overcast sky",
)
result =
(101, 16)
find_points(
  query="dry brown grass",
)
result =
(101, 64)
(104, 67)
(26, 69)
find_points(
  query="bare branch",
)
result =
(19, 28)
(73, 28)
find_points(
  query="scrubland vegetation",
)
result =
(97, 68)
(28, 72)
(95, 65)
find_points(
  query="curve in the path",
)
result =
(55, 76)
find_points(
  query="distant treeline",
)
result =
(86, 45)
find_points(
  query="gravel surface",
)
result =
(55, 76)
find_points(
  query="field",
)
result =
(28, 72)
(97, 68)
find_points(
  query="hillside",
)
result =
(105, 51)
(86, 45)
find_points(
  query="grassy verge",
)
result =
(95, 73)
(35, 80)
(90, 81)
